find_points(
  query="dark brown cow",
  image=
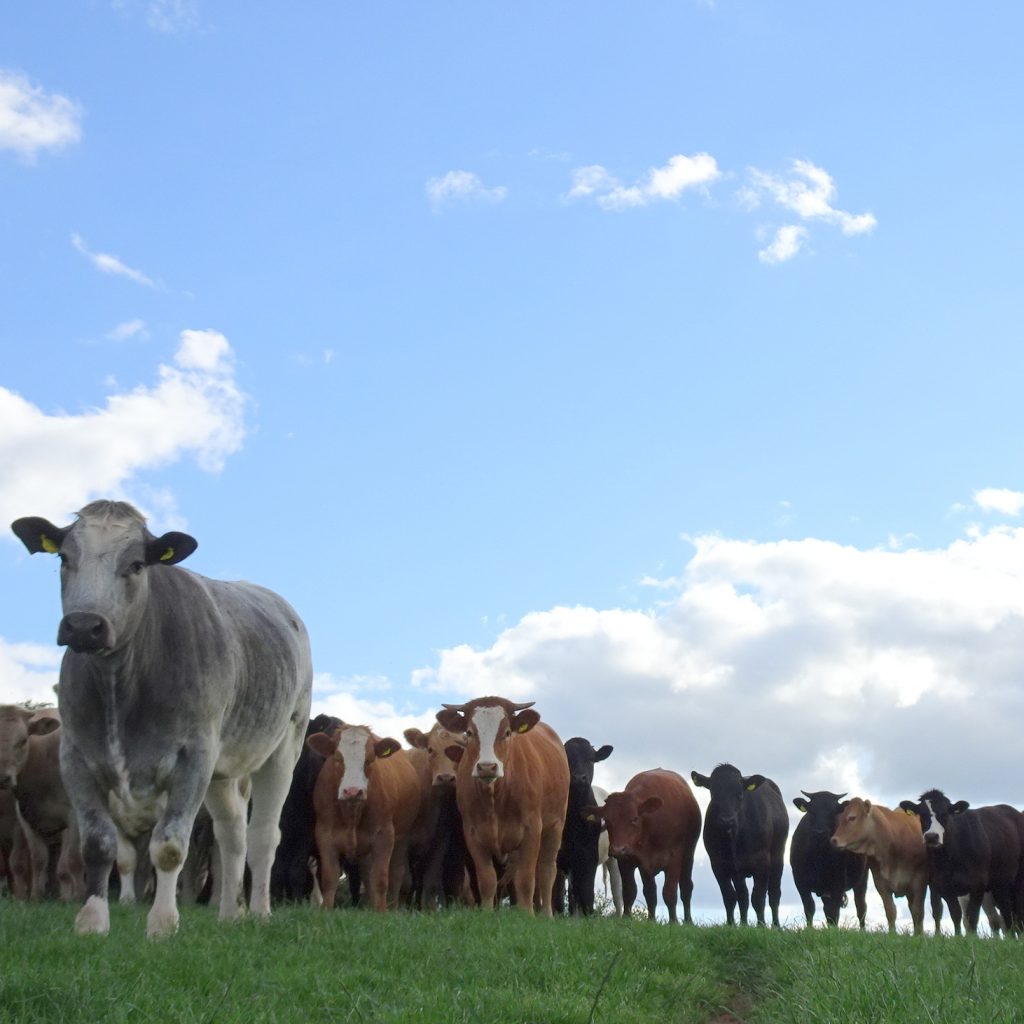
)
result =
(30, 769)
(367, 799)
(891, 841)
(438, 857)
(653, 825)
(512, 787)
(13, 856)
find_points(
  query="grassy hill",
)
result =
(468, 968)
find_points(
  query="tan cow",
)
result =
(437, 856)
(512, 788)
(891, 841)
(367, 799)
(30, 769)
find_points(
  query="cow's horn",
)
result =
(840, 797)
(523, 707)
(454, 707)
(805, 793)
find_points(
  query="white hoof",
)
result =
(160, 924)
(94, 917)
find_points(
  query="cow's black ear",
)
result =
(908, 806)
(170, 549)
(700, 780)
(960, 806)
(800, 804)
(753, 782)
(38, 534)
(602, 752)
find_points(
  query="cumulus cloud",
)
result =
(809, 191)
(109, 264)
(669, 182)
(28, 672)
(788, 241)
(462, 186)
(53, 463)
(32, 120)
(999, 499)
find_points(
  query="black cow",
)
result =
(578, 855)
(290, 877)
(745, 831)
(971, 852)
(819, 868)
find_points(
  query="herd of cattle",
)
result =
(183, 732)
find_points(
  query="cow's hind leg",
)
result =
(270, 786)
(227, 807)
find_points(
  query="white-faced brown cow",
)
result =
(653, 825)
(512, 787)
(367, 799)
(891, 841)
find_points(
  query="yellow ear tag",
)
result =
(387, 752)
(591, 817)
(908, 811)
(168, 554)
(523, 728)
(48, 545)
(752, 787)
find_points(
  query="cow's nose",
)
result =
(931, 839)
(581, 780)
(444, 779)
(487, 769)
(834, 842)
(353, 793)
(84, 632)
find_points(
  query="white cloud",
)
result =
(171, 16)
(668, 182)
(108, 264)
(809, 192)
(52, 464)
(788, 241)
(462, 186)
(999, 499)
(128, 330)
(28, 672)
(31, 119)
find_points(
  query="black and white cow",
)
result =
(819, 868)
(578, 856)
(971, 852)
(174, 687)
(745, 830)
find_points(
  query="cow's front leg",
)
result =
(168, 845)
(98, 838)
(227, 806)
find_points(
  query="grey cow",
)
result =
(174, 687)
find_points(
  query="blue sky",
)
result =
(665, 357)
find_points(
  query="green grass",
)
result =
(310, 966)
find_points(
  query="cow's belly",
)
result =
(901, 880)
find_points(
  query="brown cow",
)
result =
(30, 768)
(437, 855)
(367, 799)
(653, 825)
(14, 869)
(512, 787)
(891, 840)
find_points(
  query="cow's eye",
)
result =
(508, 732)
(136, 567)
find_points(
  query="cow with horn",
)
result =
(511, 787)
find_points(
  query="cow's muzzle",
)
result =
(486, 771)
(84, 632)
(444, 779)
(351, 794)
(931, 839)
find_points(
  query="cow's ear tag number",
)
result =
(47, 545)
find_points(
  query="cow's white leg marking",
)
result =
(227, 807)
(94, 917)
(487, 721)
(269, 788)
(127, 860)
(163, 915)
